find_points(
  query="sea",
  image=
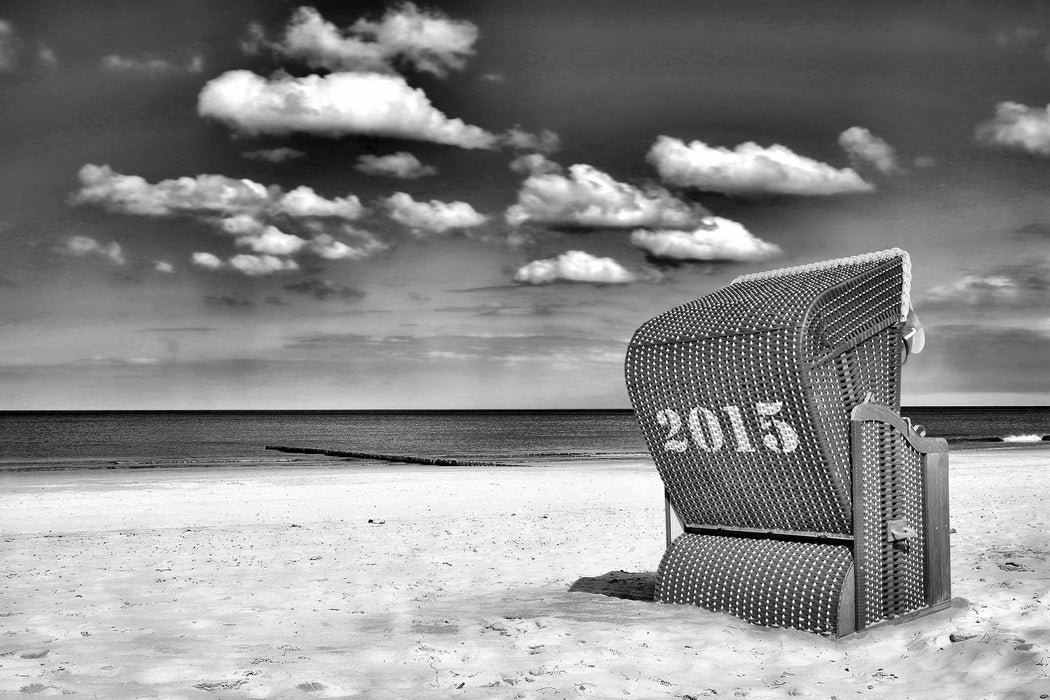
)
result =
(32, 440)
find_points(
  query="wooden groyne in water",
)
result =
(404, 459)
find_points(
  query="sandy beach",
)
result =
(332, 579)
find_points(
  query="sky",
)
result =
(375, 205)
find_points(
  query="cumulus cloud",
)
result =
(534, 164)
(46, 55)
(574, 266)
(252, 265)
(203, 194)
(153, 67)
(362, 244)
(162, 266)
(749, 169)
(272, 241)
(589, 197)
(402, 165)
(207, 261)
(546, 141)
(253, 214)
(81, 246)
(1019, 127)
(273, 155)
(333, 105)
(863, 147)
(715, 239)
(433, 216)
(1019, 285)
(428, 41)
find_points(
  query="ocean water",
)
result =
(86, 438)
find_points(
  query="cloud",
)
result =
(252, 265)
(207, 261)
(81, 246)
(10, 47)
(1018, 127)
(333, 105)
(272, 241)
(534, 164)
(546, 141)
(428, 41)
(402, 165)
(203, 194)
(1020, 286)
(590, 198)
(326, 289)
(749, 169)
(433, 216)
(153, 67)
(214, 300)
(574, 266)
(273, 155)
(164, 267)
(865, 148)
(715, 239)
(255, 215)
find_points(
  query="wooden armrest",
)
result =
(885, 414)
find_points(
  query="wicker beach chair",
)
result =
(796, 494)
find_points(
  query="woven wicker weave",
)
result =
(745, 397)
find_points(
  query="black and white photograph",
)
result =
(525, 349)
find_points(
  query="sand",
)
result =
(333, 580)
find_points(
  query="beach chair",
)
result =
(796, 495)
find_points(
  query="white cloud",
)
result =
(429, 41)
(534, 164)
(1019, 127)
(333, 105)
(10, 45)
(402, 165)
(252, 265)
(253, 214)
(153, 67)
(1025, 285)
(162, 266)
(81, 246)
(863, 147)
(433, 216)
(589, 197)
(364, 244)
(203, 194)
(273, 155)
(544, 142)
(207, 261)
(261, 264)
(749, 169)
(574, 266)
(715, 239)
(272, 241)
(303, 201)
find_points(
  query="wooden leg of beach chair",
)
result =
(935, 504)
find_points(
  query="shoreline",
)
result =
(336, 459)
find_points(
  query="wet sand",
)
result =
(332, 579)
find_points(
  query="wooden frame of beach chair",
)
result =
(796, 495)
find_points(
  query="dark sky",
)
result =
(419, 269)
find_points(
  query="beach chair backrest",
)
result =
(744, 395)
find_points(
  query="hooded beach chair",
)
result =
(796, 495)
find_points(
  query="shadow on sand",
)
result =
(619, 584)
